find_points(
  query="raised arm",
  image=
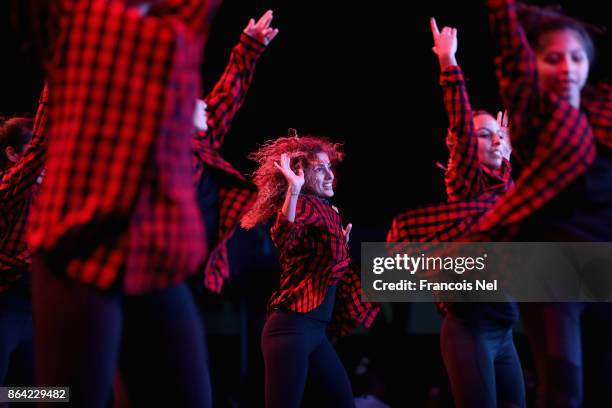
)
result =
(194, 14)
(294, 186)
(516, 72)
(462, 177)
(23, 175)
(228, 94)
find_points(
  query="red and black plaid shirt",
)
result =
(236, 196)
(17, 189)
(118, 203)
(555, 141)
(314, 255)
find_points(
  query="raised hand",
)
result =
(502, 119)
(506, 147)
(346, 231)
(445, 43)
(295, 181)
(261, 30)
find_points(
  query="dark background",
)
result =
(362, 73)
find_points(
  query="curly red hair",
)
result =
(270, 182)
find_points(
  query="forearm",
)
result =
(463, 170)
(515, 56)
(229, 93)
(446, 61)
(515, 60)
(22, 176)
(517, 76)
(194, 14)
(290, 203)
(457, 104)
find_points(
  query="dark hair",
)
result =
(537, 21)
(15, 132)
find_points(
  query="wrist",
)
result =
(447, 61)
(294, 190)
(253, 41)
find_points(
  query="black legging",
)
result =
(81, 333)
(482, 363)
(16, 343)
(555, 334)
(296, 348)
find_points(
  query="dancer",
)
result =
(476, 338)
(21, 160)
(562, 132)
(115, 229)
(316, 272)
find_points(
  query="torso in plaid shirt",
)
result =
(118, 206)
(472, 187)
(17, 189)
(556, 142)
(466, 178)
(314, 255)
(235, 195)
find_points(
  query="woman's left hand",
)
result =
(346, 231)
(261, 30)
(506, 146)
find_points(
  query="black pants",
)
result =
(16, 343)
(555, 334)
(84, 334)
(295, 348)
(482, 364)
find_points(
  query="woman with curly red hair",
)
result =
(319, 289)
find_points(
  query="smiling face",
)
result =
(562, 64)
(320, 180)
(490, 140)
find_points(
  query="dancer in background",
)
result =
(562, 132)
(22, 158)
(476, 338)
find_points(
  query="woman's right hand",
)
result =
(445, 43)
(295, 181)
